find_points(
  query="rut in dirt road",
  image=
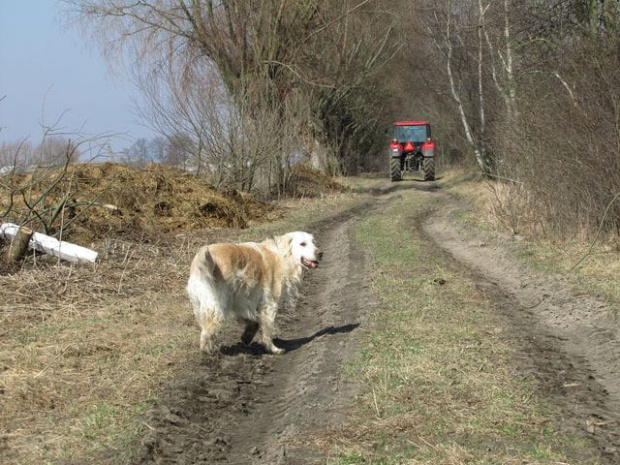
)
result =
(570, 343)
(242, 406)
(306, 393)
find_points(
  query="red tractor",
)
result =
(412, 147)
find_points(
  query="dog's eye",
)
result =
(303, 244)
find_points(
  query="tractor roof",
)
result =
(410, 123)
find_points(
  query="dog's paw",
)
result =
(207, 348)
(275, 350)
(248, 335)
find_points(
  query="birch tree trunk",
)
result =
(510, 77)
(506, 83)
(482, 136)
(457, 98)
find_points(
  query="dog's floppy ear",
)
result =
(285, 244)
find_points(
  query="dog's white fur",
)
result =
(247, 282)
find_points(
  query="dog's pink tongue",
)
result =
(310, 263)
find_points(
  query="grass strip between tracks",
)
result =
(439, 384)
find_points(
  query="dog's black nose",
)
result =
(319, 254)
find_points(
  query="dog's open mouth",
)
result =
(310, 264)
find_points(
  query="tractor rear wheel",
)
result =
(395, 172)
(429, 169)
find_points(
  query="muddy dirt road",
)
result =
(569, 341)
(242, 406)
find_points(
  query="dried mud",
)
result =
(242, 406)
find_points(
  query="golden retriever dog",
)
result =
(247, 282)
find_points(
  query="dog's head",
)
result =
(303, 250)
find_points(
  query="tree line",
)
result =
(253, 84)
(52, 151)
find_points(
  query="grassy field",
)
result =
(435, 367)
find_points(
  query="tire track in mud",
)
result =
(569, 343)
(307, 391)
(242, 406)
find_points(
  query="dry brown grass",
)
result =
(84, 349)
(81, 346)
(593, 261)
(305, 182)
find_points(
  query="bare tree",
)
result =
(452, 31)
(178, 151)
(267, 57)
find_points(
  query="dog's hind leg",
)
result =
(209, 327)
(251, 328)
(266, 322)
(203, 295)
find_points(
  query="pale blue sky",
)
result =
(47, 69)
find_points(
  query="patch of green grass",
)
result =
(103, 426)
(355, 459)
(348, 459)
(50, 329)
(436, 368)
(100, 423)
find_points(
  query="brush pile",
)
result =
(98, 201)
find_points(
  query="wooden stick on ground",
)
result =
(18, 245)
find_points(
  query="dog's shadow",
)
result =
(289, 345)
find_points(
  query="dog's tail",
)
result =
(204, 263)
(201, 286)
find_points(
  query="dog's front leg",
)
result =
(266, 321)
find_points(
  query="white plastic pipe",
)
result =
(47, 244)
